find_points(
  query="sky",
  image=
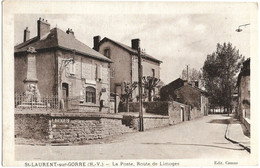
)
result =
(175, 39)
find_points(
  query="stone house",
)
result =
(243, 85)
(56, 63)
(187, 93)
(125, 64)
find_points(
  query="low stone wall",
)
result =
(246, 123)
(172, 109)
(68, 127)
(195, 113)
(83, 108)
(34, 126)
(75, 128)
(150, 121)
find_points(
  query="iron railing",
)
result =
(32, 101)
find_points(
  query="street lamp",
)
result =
(239, 29)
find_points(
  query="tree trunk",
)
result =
(127, 104)
(149, 95)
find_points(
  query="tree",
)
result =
(194, 74)
(149, 84)
(128, 90)
(219, 75)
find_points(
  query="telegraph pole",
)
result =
(140, 76)
(187, 73)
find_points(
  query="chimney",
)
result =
(43, 27)
(69, 31)
(26, 35)
(135, 44)
(96, 43)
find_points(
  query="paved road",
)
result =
(200, 138)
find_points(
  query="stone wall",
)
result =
(68, 127)
(80, 129)
(195, 113)
(175, 111)
(246, 123)
(150, 121)
(32, 126)
(88, 108)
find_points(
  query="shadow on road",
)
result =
(213, 146)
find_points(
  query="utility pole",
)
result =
(187, 73)
(140, 76)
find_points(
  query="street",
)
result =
(196, 139)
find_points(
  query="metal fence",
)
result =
(32, 101)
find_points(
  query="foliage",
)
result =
(220, 74)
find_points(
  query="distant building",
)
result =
(243, 85)
(186, 93)
(125, 63)
(56, 63)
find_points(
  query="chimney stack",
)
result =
(43, 27)
(96, 43)
(135, 44)
(26, 35)
(69, 31)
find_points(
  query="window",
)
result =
(90, 95)
(153, 73)
(107, 52)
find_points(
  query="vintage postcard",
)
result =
(117, 84)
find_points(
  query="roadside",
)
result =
(237, 134)
(109, 139)
(182, 141)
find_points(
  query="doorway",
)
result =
(65, 94)
(182, 114)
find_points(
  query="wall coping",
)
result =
(247, 120)
(163, 102)
(87, 115)
(136, 115)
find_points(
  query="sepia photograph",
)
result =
(119, 84)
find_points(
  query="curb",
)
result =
(235, 142)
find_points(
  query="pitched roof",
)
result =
(60, 39)
(129, 49)
(179, 83)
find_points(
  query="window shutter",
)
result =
(72, 68)
(99, 72)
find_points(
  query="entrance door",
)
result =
(182, 114)
(65, 94)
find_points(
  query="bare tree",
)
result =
(128, 90)
(150, 83)
(194, 74)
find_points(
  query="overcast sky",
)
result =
(177, 40)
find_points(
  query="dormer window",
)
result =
(107, 52)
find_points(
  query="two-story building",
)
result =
(125, 63)
(187, 93)
(56, 63)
